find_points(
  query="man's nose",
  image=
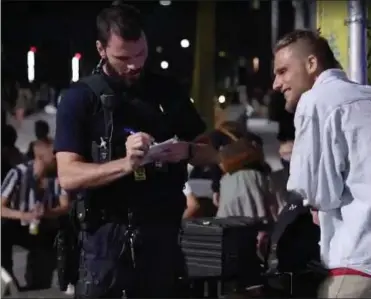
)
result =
(277, 84)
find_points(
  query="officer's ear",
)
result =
(100, 49)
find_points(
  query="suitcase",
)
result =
(222, 248)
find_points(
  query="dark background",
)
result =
(59, 29)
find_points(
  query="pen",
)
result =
(132, 132)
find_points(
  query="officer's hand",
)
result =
(137, 146)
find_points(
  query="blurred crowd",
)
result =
(22, 99)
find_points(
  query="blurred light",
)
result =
(164, 65)
(255, 4)
(184, 43)
(221, 99)
(75, 69)
(33, 49)
(159, 49)
(222, 54)
(242, 61)
(192, 100)
(255, 64)
(78, 55)
(165, 3)
(30, 58)
(227, 82)
(31, 74)
(31, 66)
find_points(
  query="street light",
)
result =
(76, 67)
(184, 43)
(221, 99)
(31, 64)
(165, 3)
(164, 65)
(255, 64)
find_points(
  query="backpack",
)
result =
(294, 240)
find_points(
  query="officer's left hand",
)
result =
(179, 151)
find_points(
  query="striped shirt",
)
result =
(19, 187)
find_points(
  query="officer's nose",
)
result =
(131, 67)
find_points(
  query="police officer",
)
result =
(130, 214)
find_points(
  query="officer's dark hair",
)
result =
(41, 129)
(121, 19)
(313, 43)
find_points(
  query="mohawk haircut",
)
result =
(313, 43)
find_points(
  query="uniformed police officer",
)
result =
(117, 192)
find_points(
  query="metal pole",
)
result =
(299, 14)
(357, 41)
(312, 6)
(275, 21)
(203, 89)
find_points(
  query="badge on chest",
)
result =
(140, 174)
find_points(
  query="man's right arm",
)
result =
(71, 145)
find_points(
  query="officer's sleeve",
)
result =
(185, 118)
(71, 123)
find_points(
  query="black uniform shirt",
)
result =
(156, 105)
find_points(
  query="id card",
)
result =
(140, 174)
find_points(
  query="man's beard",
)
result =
(128, 80)
(290, 107)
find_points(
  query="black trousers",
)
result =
(106, 268)
(40, 259)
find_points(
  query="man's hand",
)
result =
(216, 198)
(315, 216)
(31, 216)
(137, 146)
(28, 216)
(286, 149)
(39, 210)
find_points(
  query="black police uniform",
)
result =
(153, 201)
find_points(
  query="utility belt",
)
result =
(90, 217)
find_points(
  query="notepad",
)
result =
(158, 149)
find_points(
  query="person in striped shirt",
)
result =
(31, 201)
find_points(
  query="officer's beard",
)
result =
(128, 80)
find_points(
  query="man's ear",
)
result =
(312, 64)
(100, 49)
